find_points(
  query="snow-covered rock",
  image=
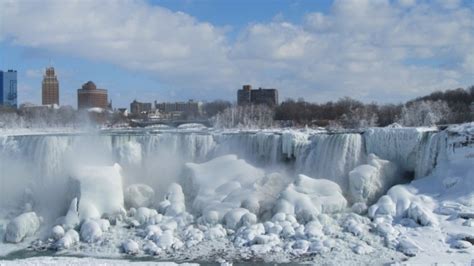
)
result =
(24, 225)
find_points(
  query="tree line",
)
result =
(439, 107)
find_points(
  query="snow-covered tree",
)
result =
(248, 116)
(425, 113)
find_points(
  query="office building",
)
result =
(50, 88)
(8, 88)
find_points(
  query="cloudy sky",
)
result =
(166, 50)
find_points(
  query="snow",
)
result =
(271, 195)
(24, 225)
(85, 261)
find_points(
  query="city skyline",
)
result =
(321, 51)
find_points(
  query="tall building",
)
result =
(89, 96)
(8, 88)
(261, 96)
(50, 87)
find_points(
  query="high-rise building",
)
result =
(261, 96)
(8, 88)
(50, 87)
(89, 96)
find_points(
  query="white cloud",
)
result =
(372, 50)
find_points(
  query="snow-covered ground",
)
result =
(384, 195)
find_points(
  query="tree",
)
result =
(247, 116)
(425, 113)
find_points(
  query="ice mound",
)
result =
(369, 181)
(139, 195)
(174, 201)
(402, 201)
(130, 247)
(221, 185)
(307, 197)
(92, 230)
(24, 225)
(70, 238)
(101, 191)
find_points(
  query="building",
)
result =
(50, 87)
(89, 96)
(190, 108)
(139, 107)
(8, 88)
(261, 96)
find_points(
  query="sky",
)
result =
(387, 51)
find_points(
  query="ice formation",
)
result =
(24, 225)
(101, 191)
(273, 195)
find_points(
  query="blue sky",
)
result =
(385, 51)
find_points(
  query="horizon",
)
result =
(178, 50)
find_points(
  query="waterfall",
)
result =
(331, 157)
(44, 162)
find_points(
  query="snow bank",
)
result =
(24, 225)
(307, 197)
(101, 191)
(369, 181)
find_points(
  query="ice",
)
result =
(139, 195)
(175, 198)
(71, 220)
(57, 232)
(70, 238)
(221, 185)
(307, 197)
(101, 191)
(270, 195)
(369, 181)
(24, 225)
